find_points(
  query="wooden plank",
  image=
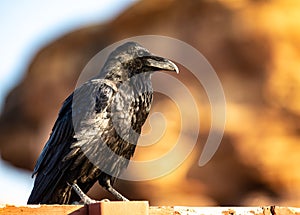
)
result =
(119, 208)
(181, 210)
(161, 210)
(141, 208)
(106, 208)
(43, 209)
(286, 210)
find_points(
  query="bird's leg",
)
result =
(109, 188)
(83, 196)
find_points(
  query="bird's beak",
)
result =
(159, 63)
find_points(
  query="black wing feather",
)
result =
(62, 123)
(60, 152)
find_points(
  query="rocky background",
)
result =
(252, 45)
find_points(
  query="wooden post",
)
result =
(141, 208)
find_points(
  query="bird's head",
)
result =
(131, 59)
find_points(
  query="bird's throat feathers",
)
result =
(138, 81)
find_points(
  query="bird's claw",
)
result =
(105, 200)
(84, 198)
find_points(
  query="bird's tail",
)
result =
(47, 189)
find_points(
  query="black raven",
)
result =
(97, 128)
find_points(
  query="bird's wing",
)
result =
(84, 101)
(62, 131)
(92, 97)
(105, 136)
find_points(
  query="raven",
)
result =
(97, 128)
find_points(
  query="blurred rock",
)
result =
(252, 45)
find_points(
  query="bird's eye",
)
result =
(141, 53)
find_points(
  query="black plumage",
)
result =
(98, 127)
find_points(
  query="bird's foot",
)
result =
(84, 198)
(110, 189)
(105, 200)
(90, 201)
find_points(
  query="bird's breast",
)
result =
(141, 109)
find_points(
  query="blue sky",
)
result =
(26, 27)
